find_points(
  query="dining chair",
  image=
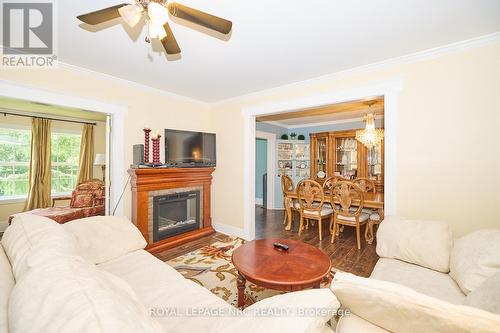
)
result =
(345, 214)
(311, 201)
(365, 184)
(368, 185)
(286, 188)
(328, 184)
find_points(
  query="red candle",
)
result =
(146, 144)
(156, 149)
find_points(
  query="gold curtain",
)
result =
(40, 165)
(86, 165)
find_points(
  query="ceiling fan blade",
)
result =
(201, 18)
(100, 16)
(169, 42)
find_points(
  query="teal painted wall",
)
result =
(260, 166)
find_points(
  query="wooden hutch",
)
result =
(339, 153)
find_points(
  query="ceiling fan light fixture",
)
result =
(131, 14)
(158, 13)
(156, 30)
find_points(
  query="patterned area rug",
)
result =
(211, 267)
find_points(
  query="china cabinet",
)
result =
(294, 159)
(340, 154)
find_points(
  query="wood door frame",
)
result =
(388, 89)
(115, 173)
(271, 165)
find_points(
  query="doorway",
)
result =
(261, 173)
(388, 90)
(115, 174)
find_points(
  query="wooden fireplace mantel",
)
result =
(146, 180)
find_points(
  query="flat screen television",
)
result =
(189, 149)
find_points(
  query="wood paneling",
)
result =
(350, 106)
(154, 179)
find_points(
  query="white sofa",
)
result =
(425, 282)
(92, 275)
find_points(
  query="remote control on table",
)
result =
(281, 246)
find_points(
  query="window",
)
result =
(15, 152)
(65, 155)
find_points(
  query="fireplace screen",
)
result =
(174, 214)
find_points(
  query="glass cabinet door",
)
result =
(374, 161)
(346, 161)
(285, 158)
(302, 160)
(321, 154)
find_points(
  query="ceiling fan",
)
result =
(157, 19)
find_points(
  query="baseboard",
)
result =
(259, 201)
(229, 230)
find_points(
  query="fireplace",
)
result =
(171, 206)
(174, 214)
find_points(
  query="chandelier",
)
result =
(370, 136)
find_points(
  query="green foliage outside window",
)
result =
(15, 146)
(15, 151)
(65, 155)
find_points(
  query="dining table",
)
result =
(374, 200)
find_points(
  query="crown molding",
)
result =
(131, 84)
(432, 53)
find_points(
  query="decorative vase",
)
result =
(146, 144)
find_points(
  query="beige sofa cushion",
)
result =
(103, 238)
(400, 309)
(424, 243)
(288, 313)
(353, 324)
(31, 239)
(71, 295)
(418, 278)
(475, 257)
(158, 286)
(6, 284)
(487, 295)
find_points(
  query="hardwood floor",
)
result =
(269, 224)
(343, 252)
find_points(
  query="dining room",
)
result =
(328, 176)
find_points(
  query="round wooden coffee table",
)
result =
(302, 266)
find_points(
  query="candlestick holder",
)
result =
(156, 150)
(146, 144)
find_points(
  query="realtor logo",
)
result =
(28, 33)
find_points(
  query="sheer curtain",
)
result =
(40, 165)
(86, 164)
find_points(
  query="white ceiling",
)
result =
(273, 42)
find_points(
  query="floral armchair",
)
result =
(87, 199)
